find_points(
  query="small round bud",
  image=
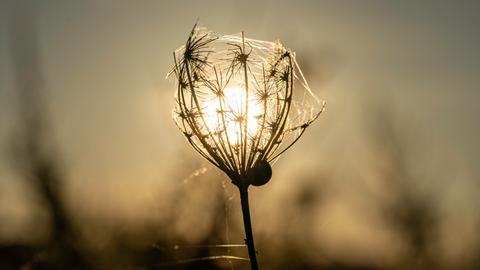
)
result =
(261, 174)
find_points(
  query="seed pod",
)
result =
(261, 173)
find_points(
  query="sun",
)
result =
(226, 115)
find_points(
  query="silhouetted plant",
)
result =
(236, 106)
(34, 155)
(413, 213)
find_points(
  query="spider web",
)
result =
(177, 249)
(209, 66)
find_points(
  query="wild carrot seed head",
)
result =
(241, 102)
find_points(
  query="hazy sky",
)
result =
(105, 62)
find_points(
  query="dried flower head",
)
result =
(241, 102)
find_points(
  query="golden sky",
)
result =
(104, 64)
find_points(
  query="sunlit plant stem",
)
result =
(248, 226)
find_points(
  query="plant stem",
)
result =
(248, 225)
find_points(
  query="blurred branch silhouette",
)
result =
(411, 212)
(35, 156)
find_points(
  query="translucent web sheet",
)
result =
(240, 101)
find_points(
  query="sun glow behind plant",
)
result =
(226, 115)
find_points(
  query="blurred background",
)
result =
(95, 175)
